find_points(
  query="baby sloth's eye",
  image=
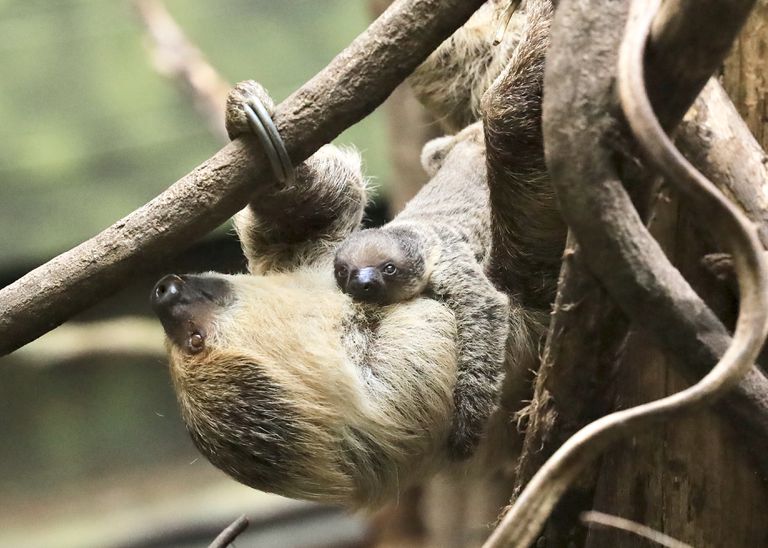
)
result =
(341, 271)
(389, 269)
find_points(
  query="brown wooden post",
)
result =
(745, 76)
(692, 479)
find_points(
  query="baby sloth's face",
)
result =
(379, 266)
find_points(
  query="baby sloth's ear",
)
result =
(434, 152)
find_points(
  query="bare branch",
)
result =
(718, 142)
(176, 58)
(348, 89)
(228, 535)
(633, 267)
(647, 287)
(607, 520)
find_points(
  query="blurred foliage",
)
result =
(90, 131)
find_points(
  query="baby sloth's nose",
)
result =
(365, 285)
(167, 291)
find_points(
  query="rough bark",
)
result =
(585, 336)
(691, 478)
(573, 92)
(617, 247)
(717, 141)
(349, 88)
(724, 154)
(744, 76)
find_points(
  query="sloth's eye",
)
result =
(196, 342)
(389, 269)
(341, 271)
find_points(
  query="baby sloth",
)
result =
(381, 266)
(438, 245)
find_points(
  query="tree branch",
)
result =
(606, 520)
(580, 120)
(717, 141)
(230, 533)
(618, 248)
(178, 59)
(348, 89)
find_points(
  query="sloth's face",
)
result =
(380, 266)
(284, 386)
(187, 306)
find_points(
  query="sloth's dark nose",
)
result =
(365, 284)
(167, 291)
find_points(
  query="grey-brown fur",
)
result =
(503, 85)
(439, 242)
(382, 266)
(450, 83)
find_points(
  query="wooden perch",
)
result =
(616, 245)
(580, 122)
(348, 89)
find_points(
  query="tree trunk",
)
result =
(692, 479)
(744, 75)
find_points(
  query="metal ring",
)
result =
(262, 125)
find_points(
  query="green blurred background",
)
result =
(93, 452)
(89, 131)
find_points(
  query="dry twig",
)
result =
(607, 520)
(178, 59)
(228, 535)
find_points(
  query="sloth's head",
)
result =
(381, 266)
(288, 386)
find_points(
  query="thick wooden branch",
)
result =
(616, 245)
(719, 144)
(689, 41)
(348, 89)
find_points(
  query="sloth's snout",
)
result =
(167, 291)
(186, 306)
(366, 285)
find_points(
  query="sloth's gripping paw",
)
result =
(236, 120)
